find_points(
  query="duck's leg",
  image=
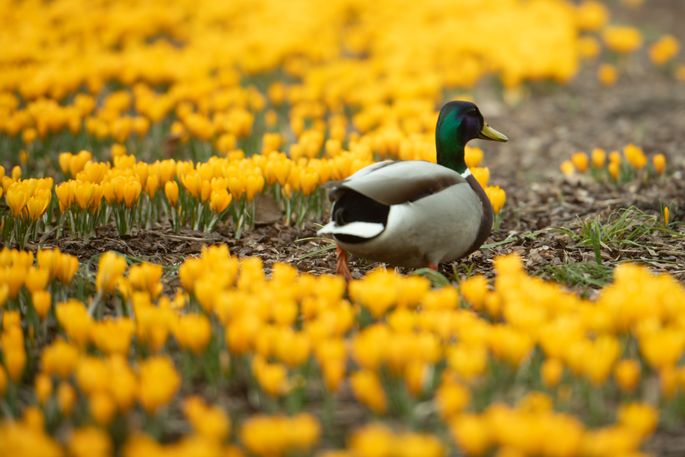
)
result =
(341, 263)
(433, 266)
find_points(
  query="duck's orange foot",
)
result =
(433, 266)
(341, 266)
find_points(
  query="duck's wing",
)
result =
(395, 183)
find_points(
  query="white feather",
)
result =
(438, 228)
(360, 229)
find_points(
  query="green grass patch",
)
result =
(622, 229)
(580, 274)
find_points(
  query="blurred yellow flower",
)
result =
(171, 192)
(272, 377)
(497, 197)
(580, 161)
(101, 407)
(588, 47)
(607, 74)
(614, 170)
(372, 439)
(41, 301)
(471, 433)
(468, 360)
(219, 200)
(208, 421)
(451, 398)
(567, 168)
(19, 438)
(66, 398)
(659, 162)
(640, 418)
(664, 49)
(591, 15)
(622, 39)
(474, 290)
(551, 372)
(635, 156)
(3, 381)
(43, 388)
(368, 389)
(280, 435)
(627, 374)
(473, 157)
(662, 348)
(482, 175)
(598, 157)
(112, 336)
(73, 316)
(89, 441)
(60, 358)
(193, 331)
(111, 267)
(14, 352)
(158, 383)
(146, 277)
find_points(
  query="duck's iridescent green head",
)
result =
(460, 122)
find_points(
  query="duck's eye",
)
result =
(469, 113)
(474, 113)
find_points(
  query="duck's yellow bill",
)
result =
(488, 133)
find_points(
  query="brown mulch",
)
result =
(530, 226)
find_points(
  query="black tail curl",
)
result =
(351, 206)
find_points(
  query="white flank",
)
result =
(360, 229)
(466, 174)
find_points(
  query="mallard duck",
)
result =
(415, 213)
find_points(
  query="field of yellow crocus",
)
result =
(148, 307)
